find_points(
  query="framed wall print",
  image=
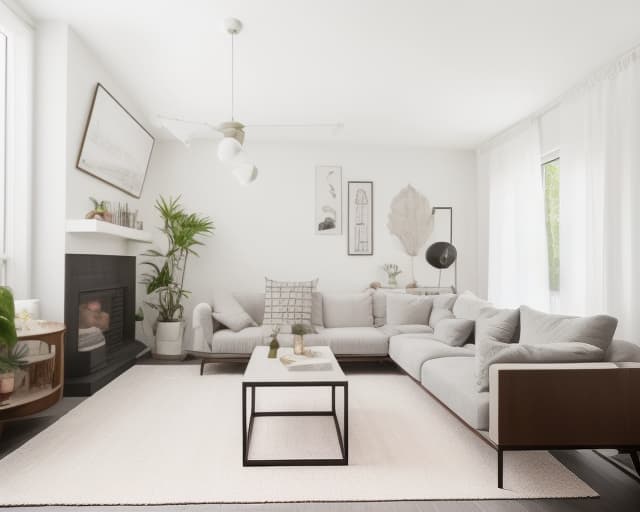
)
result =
(328, 206)
(116, 148)
(360, 218)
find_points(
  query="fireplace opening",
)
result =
(100, 319)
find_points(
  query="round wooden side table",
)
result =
(24, 403)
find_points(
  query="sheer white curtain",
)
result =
(600, 196)
(518, 268)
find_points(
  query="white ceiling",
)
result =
(417, 72)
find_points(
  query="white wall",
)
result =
(66, 76)
(267, 228)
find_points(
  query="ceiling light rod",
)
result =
(233, 26)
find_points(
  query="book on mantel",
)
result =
(309, 361)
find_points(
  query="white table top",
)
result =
(263, 369)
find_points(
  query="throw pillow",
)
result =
(621, 351)
(493, 326)
(442, 305)
(348, 310)
(453, 331)
(228, 311)
(469, 306)
(406, 309)
(496, 352)
(287, 303)
(537, 327)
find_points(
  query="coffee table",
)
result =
(263, 372)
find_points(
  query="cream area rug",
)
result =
(166, 435)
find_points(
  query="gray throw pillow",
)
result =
(537, 328)
(562, 352)
(228, 311)
(407, 309)
(621, 351)
(442, 306)
(494, 326)
(453, 331)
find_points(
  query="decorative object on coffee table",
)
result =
(411, 220)
(274, 345)
(165, 279)
(298, 331)
(360, 218)
(393, 271)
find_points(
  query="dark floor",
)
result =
(618, 491)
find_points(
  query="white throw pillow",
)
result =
(495, 352)
(442, 305)
(537, 328)
(469, 306)
(453, 331)
(407, 309)
(287, 303)
(348, 310)
(228, 311)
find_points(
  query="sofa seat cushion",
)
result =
(392, 330)
(225, 341)
(354, 340)
(410, 352)
(452, 380)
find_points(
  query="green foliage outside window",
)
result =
(551, 175)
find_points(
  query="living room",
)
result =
(320, 255)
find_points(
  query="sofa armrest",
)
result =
(564, 405)
(202, 323)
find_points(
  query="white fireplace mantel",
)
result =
(107, 229)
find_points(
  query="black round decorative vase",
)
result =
(441, 255)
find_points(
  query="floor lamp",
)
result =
(442, 255)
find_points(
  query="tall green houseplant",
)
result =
(11, 354)
(164, 280)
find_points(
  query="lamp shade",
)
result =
(245, 173)
(228, 149)
(441, 255)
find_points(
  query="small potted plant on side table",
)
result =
(11, 354)
(165, 280)
(298, 331)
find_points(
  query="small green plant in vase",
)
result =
(274, 345)
(11, 354)
(298, 331)
(393, 271)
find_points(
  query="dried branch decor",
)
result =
(411, 220)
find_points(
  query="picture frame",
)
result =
(360, 218)
(116, 148)
(328, 200)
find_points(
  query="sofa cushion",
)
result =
(379, 308)
(468, 306)
(537, 327)
(392, 330)
(442, 308)
(348, 310)
(253, 303)
(621, 351)
(287, 303)
(225, 341)
(452, 381)
(410, 351)
(407, 309)
(454, 331)
(562, 352)
(355, 340)
(228, 311)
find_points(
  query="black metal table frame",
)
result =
(343, 434)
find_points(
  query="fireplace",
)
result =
(99, 313)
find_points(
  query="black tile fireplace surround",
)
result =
(99, 309)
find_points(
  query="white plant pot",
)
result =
(169, 338)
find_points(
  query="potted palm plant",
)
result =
(11, 354)
(164, 280)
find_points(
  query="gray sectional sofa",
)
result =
(431, 338)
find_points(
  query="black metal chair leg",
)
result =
(500, 468)
(202, 367)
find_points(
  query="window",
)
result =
(551, 181)
(3, 153)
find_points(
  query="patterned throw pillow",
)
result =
(288, 302)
